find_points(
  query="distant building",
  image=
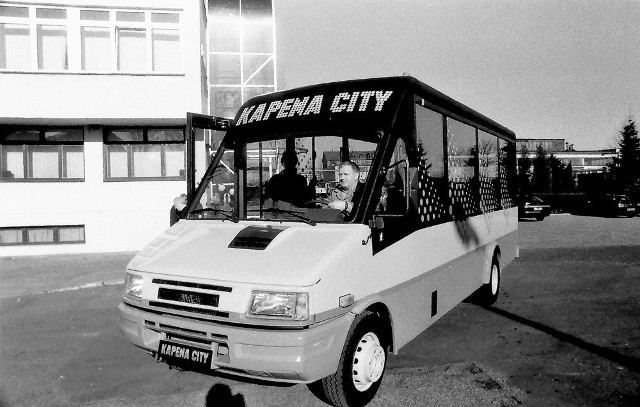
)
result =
(331, 161)
(551, 144)
(583, 162)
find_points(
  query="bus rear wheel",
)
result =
(361, 368)
(488, 293)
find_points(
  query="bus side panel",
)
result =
(448, 260)
(412, 305)
(428, 260)
(508, 242)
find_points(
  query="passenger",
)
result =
(349, 189)
(288, 185)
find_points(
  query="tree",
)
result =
(625, 168)
(561, 175)
(556, 168)
(568, 182)
(541, 173)
(524, 172)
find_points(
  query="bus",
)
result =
(310, 294)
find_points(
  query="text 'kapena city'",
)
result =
(343, 102)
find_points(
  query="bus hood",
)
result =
(290, 254)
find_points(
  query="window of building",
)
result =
(41, 154)
(144, 154)
(241, 53)
(96, 48)
(31, 235)
(110, 40)
(132, 49)
(15, 47)
(165, 47)
(52, 48)
(225, 101)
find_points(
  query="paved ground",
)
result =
(565, 332)
(38, 274)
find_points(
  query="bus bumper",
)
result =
(279, 355)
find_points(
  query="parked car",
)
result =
(610, 205)
(533, 207)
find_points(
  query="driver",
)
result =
(288, 185)
(349, 188)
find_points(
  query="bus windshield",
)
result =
(288, 178)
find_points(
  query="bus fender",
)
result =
(375, 303)
(490, 250)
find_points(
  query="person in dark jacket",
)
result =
(288, 185)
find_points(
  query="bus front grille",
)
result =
(174, 307)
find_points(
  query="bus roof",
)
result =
(362, 104)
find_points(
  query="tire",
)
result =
(488, 293)
(361, 367)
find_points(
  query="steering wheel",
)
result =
(317, 202)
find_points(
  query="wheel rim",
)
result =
(494, 279)
(368, 362)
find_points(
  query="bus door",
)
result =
(211, 129)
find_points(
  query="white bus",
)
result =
(308, 294)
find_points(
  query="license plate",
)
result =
(184, 355)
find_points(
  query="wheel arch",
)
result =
(377, 306)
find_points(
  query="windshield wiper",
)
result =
(293, 213)
(226, 213)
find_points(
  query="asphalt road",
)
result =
(565, 332)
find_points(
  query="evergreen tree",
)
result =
(524, 173)
(557, 169)
(625, 168)
(541, 173)
(568, 182)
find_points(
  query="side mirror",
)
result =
(377, 223)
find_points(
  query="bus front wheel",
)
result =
(361, 367)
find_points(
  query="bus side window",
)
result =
(429, 187)
(488, 166)
(463, 178)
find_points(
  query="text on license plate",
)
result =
(185, 354)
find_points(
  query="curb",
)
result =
(81, 287)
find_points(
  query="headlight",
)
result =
(133, 286)
(292, 306)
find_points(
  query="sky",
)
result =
(544, 69)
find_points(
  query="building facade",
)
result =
(95, 95)
(582, 162)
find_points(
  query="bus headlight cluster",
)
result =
(291, 306)
(133, 286)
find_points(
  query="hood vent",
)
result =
(255, 237)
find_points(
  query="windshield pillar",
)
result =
(240, 159)
(345, 149)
